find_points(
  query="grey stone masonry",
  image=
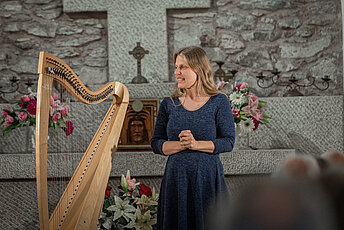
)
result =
(130, 22)
(251, 36)
(239, 162)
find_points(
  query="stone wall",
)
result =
(30, 26)
(295, 36)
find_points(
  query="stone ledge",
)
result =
(238, 162)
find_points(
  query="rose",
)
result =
(145, 190)
(25, 98)
(256, 123)
(243, 85)
(3, 112)
(108, 190)
(56, 117)
(31, 107)
(22, 116)
(235, 112)
(70, 128)
(6, 124)
(9, 119)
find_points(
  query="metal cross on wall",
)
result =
(139, 52)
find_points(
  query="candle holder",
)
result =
(292, 84)
(221, 74)
(15, 86)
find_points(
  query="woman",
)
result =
(193, 126)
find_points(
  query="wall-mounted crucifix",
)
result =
(132, 21)
(139, 52)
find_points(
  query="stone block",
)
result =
(12, 28)
(235, 21)
(18, 141)
(49, 14)
(41, 30)
(12, 6)
(305, 50)
(258, 58)
(265, 4)
(25, 65)
(65, 52)
(77, 41)
(290, 22)
(240, 162)
(233, 42)
(323, 7)
(99, 51)
(37, 1)
(310, 125)
(69, 30)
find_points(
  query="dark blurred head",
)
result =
(280, 205)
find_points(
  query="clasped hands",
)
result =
(187, 140)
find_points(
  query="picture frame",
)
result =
(138, 125)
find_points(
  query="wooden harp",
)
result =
(82, 200)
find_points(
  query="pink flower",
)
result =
(9, 119)
(221, 84)
(131, 184)
(25, 98)
(253, 98)
(6, 124)
(22, 116)
(55, 96)
(31, 107)
(235, 112)
(56, 104)
(65, 109)
(252, 108)
(52, 110)
(70, 128)
(243, 85)
(3, 112)
(260, 116)
(56, 117)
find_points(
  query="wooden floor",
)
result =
(18, 202)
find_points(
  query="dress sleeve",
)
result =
(225, 129)
(160, 132)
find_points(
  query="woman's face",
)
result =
(186, 77)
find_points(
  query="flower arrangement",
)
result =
(135, 207)
(24, 114)
(247, 109)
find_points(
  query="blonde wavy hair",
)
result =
(198, 61)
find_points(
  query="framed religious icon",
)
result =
(138, 125)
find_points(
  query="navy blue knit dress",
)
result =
(192, 179)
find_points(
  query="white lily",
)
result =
(122, 208)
